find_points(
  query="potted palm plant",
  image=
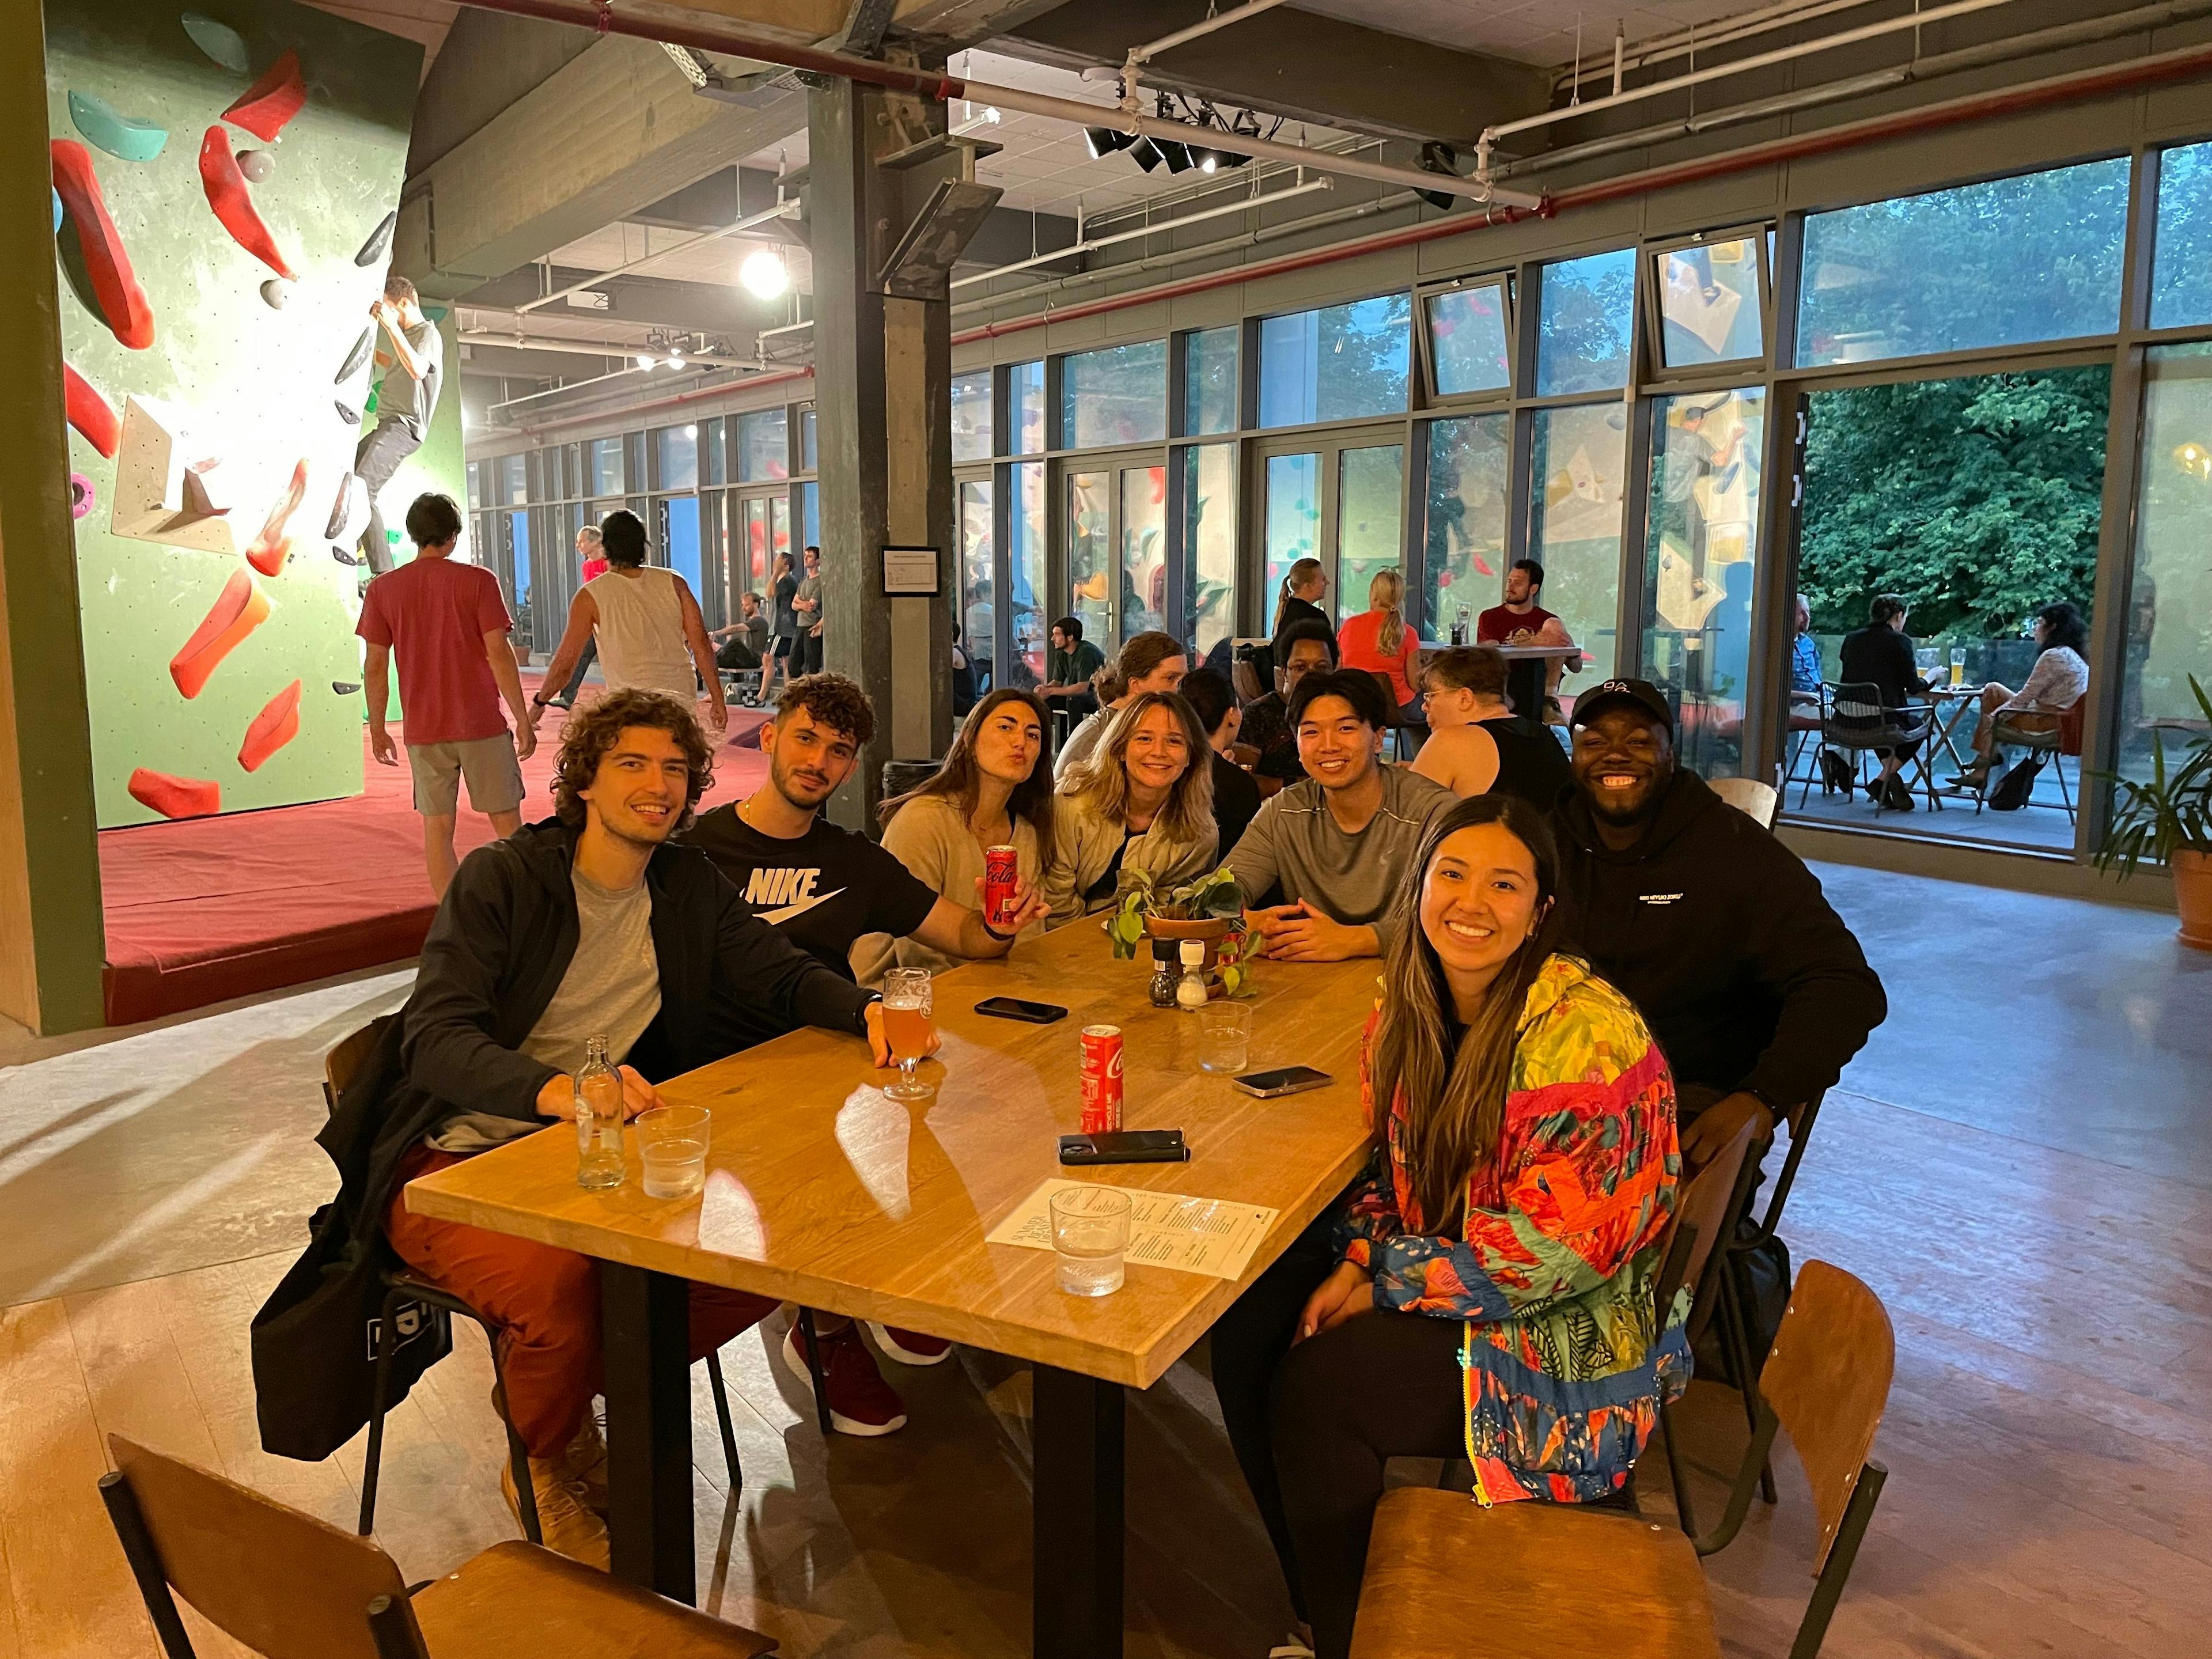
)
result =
(1211, 909)
(2168, 820)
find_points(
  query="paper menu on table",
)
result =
(1212, 1236)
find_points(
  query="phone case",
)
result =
(1056, 1013)
(1078, 1149)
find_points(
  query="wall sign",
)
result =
(911, 573)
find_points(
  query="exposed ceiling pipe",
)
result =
(782, 209)
(566, 385)
(1152, 49)
(943, 88)
(679, 400)
(1090, 244)
(1676, 43)
(491, 337)
(2008, 50)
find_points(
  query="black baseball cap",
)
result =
(1644, 695)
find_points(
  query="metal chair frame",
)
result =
(2051, 742)
(1862, 725)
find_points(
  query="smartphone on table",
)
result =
(1125, 1146)
(1281, 1080)
(1033, 1013)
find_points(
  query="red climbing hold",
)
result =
(233, 201)
(263, 107)
(277, 724)
(174, 797)
(272, 546)
(88, 412)
(123, 303)
(239, 610)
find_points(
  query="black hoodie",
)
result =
(1720, 935)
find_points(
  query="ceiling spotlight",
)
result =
(1145, 153)
(1210, 160)
(764, 274)
(1104, 141)
(676, 360)
(644, 361)
(1178, 157)
(1438, 158)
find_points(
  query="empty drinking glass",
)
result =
(671, 1144)
(907, 1026)
(1224, 1037)
(1090, 1231)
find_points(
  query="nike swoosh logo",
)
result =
(779, 917)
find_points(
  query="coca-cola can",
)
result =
(1102, 1079)
(1001, 869)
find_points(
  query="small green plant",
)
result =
(1216, 897)
(2170, 813)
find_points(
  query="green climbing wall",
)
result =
(223, 138)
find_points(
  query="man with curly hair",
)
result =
(591, 924)
(824, 888)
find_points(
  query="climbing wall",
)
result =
(225, 177)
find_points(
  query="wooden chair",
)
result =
(1244, 679)
(1448, 1579)
(1757, 801)
(289, 1586)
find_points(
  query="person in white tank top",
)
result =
(650, 633)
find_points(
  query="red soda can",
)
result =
(1102, 1079)
(1001, 869)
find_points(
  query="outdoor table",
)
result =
(821, 1192)
(1952, 703)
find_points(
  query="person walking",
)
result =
(647, 624)
(406, 397)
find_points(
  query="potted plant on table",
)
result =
(1210, 909)
(2169, 820)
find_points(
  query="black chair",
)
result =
(1854, 719)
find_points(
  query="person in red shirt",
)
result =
(449, 623)
(591, 548)
(1522, 621)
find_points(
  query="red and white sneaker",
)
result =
(860, 1401)
(910, 1347)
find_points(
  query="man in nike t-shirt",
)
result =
(824, 888)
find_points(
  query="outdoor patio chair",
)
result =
(1854, 720)
(2059, 742)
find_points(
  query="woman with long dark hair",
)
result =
(994, 790)
(2059, 679)
(1142, 800)
(1486, 1289)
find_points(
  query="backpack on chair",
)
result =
(2017, 784)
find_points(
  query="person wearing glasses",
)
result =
(1477, 744)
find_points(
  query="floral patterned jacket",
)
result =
(1564, 1361)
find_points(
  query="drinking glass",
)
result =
(1957, 664)
(671, 1144)
(1224, 1037)
(907, 1026)
(1090, 1231)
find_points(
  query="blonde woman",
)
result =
(1143, 799)
(1378, 640)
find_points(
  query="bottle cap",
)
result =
(1194, 952)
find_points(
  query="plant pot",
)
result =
(1210, 929)
(2193, 896)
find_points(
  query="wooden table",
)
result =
(821, 1192)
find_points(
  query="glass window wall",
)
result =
(1340, 363)
(1027, 623)
(1579, 459)
(602, 463)
(1709, 303)
(807, 460)
(714, 460)
(1090, 552)
(763, 446)
(1118, 395)
(1025, 409)
(1209, 384)
(977, 613)
(1144, 536)
(1371, 520)
(513, 473)
(1586, 323)
(1290, 526)
(1209, 537)
(2169, 627)
(1467, 340)
(676, 456)
(1466, 517)
(2181, 265)
(971, 416)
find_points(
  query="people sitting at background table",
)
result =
(589, 924)
(1805, 666)
(1303, 648)
(994, 790)
(1235, 796)
(1477, 744)
(1151, 661)
(1142, 799)
(1486, 1289)
(1881, 655)
(1378, 642)
(645, 623)
(1322, 863)
(1069, 664)
(2059, 679)
(1522, 620)
(825, 888)
(1297, 602)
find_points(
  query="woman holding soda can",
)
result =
(981, 825)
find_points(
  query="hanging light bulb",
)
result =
(764, 274)
(646, 359)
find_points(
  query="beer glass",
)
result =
(907, 1025)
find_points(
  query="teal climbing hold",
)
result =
(119, 134)
(57, 195)
(219, 41)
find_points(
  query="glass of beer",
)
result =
(908, 1025)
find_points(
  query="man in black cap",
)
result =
(1756, 990)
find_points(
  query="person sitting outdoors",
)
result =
(1754, 987)
(1880, 654)
(1805, 668)
(1236, 797)
(1069, 664)
(994, 790)
(647, 626)
(591, 923)
(1142, 800)
(2059, 679)
(1335, 850)
(825, 888)
(1378, 642)
(1297, 602)
(1476, 742)
(1303, 648)
(1486, 1289)
(1151, 661)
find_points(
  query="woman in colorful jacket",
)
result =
(1486, 1289)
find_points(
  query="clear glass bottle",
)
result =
(1459, 627)
(1190, 990)
(1163, 974)
(598, 1120)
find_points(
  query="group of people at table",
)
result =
(1593, 973)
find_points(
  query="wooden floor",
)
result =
(2051, 1489)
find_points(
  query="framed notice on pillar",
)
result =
(911, 573)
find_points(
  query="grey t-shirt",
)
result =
(1296, 844)
(810, 590)
(401, 397)
(611, 989)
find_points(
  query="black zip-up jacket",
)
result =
(1723, 939)
(496, 952)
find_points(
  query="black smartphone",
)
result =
(1125, 1146)
(1035, 1013)
(1283, 1080)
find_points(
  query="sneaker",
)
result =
(567, 1527)
(860, 1401)
(585, 1461)
(910, 1347)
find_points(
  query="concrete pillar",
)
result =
(883, 404)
